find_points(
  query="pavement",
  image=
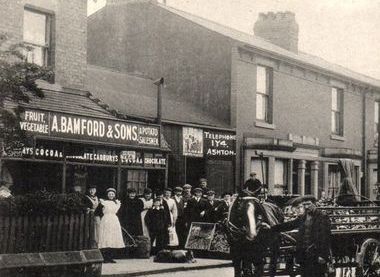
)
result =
(143, 267)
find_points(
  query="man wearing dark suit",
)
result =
(211, 207)
(253, 185)
(314, 237)
(180, 224)
(196, 208)
(224, 206)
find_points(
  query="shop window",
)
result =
(334, 180)
(264, 94)
(261, 168)
(280, 176)
(37, 30)
(137, 179)
(337, 111)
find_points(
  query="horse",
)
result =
(248, 244)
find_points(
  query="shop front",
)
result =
(64, 151)
(209, 154)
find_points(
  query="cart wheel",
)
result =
(369, 258)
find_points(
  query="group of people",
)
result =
(163, 216)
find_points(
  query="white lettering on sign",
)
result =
(79, 127)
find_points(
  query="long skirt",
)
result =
(110, 234)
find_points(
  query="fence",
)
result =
(47, 233)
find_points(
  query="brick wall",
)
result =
(146, 38)
(69, 34)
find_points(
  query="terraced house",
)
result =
(294, 115)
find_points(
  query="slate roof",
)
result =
(136, 96)
(261, 44)
(62, 100)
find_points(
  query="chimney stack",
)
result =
(278, 28)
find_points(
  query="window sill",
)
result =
(266, 125)
(337, 137)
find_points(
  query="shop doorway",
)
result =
(219, 176)
(195, 169)
(83, 176)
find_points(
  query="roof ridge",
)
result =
(287, 54)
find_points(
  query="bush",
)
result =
(42, 203)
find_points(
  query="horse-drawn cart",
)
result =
(355, 243)
(355, 239)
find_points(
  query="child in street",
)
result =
(157, 221)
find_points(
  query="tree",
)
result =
(17, 85)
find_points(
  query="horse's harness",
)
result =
(238, 233)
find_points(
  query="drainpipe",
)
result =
(364, 145)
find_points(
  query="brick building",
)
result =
(298, 112)
(73, 139)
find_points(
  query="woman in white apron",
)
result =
(110, 234)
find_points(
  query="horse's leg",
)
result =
(275, 252)
(237, 264)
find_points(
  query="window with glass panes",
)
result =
(137, 179)
(37, 36)
(263, 93)
(337, 111)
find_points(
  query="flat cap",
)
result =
(198, 189)
(187, 186)
(298, 200)
(178, 189)
(202, 180)
(211, 192)
(167, 189)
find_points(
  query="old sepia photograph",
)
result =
(189, 138)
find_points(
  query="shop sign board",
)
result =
(192, 142)
(219, 144)
(59, 125)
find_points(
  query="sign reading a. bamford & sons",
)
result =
(58, 125)
(219, 144)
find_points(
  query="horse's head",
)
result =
(243, 215)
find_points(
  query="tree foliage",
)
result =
(17, 85)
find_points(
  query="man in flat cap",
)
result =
(253, 184)
(314, 236)
(196, 207)
(180, 224)
(211, 207)
(186, 194)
